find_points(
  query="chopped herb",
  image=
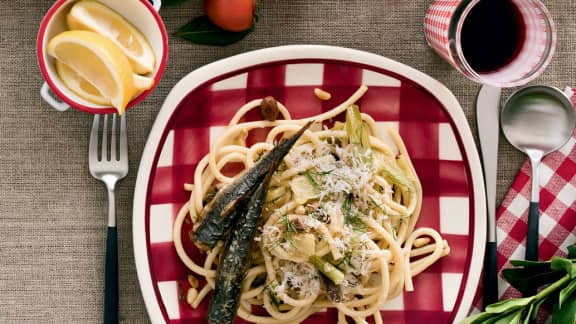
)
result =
(347, 205)
(347, 260)
(291, 229)
(351, 218)
(272, 296)
(357, 223)
(376, 204)
(323, 173)
(312, 181)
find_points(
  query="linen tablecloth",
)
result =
(53, 213)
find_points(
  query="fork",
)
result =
(109, 165)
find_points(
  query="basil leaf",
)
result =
(565, 314)
(201, 30)
(508, 304)
(572, 251)
(564, 264)
(566, 292)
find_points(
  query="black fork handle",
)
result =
(111, 278)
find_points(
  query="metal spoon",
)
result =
(537, 120)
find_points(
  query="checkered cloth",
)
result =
(392, 101)
(557, 212)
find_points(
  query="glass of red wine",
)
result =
(504, 43)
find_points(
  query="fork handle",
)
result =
(111, 278)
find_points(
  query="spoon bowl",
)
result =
(537, 120)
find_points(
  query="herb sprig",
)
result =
(351, 217)
(559, 278)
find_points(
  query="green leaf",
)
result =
(528, 313)
(201, 30)
(565, 314)
(534, 311)
(479, 318)
(511, 318)
(572, 251)
(528, 279)
(167, 3)
(531, 264)
(566, 292)
(564, 264)
(506, 305)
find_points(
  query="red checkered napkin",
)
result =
(557, 212)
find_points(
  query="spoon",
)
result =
(537, 120)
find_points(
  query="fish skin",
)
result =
(236, 258)
(219, 214)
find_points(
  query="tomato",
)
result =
(231, 15)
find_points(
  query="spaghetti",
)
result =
(339, 218)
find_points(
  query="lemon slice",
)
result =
(97, 60)
(85, 90)
(96, 17)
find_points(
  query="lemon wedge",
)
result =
(142, 83)
(96, 17)
(79, 85)
(97, 60)
(87, 91)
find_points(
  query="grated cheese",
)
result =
(300, 278)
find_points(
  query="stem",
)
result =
(551, 288)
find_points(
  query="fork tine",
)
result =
(93, 147)
(113, 139)
(105, 139)
(123, 140)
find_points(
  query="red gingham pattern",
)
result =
(524, 67)
(436, 24)
(422, 122)
(557, 212)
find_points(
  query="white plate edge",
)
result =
(281, 53)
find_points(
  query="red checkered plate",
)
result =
(426, 114)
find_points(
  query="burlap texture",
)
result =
(53, 213)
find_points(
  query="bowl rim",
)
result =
(96, 109)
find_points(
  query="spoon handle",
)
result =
(532, 235)
(533, 212)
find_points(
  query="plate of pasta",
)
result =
(309, 184)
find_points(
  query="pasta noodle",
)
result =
(352, 206)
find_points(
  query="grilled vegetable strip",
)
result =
(235, 260)
(327, 269)
(218, 215)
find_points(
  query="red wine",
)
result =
(492, 35)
